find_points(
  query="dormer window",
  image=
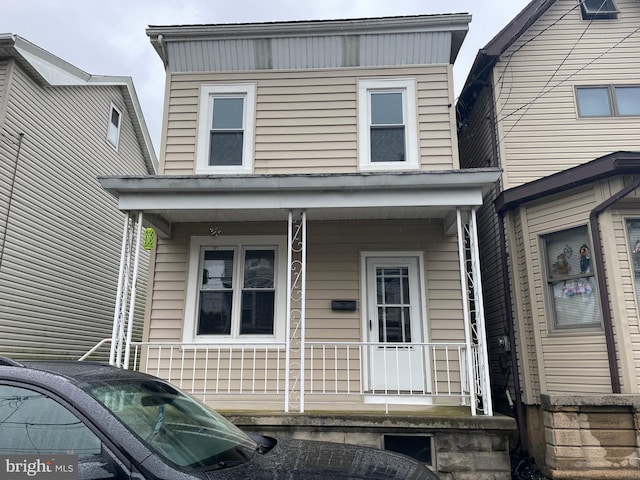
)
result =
(598, 9)
(225, 129)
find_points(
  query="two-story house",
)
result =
(316, 262)
(60, 232)
(554, 101)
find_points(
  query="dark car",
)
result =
(95, 421)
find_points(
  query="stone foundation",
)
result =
(592, 436)
(464, 447)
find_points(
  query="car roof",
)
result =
(78, 371)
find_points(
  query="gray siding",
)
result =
(299, 52)
(59, 270)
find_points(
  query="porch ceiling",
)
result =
(367, 196)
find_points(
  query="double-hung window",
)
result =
(572, 291)
(387, 124)
(113, 127)
(225, 128)
(598, 9)
(235, 290)
(608, 100)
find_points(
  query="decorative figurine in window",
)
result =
(561, 265)
(585, 260)
(636, 256)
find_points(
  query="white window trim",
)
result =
(118, 129)
(198, 243)
(207, 92)
(408, 87)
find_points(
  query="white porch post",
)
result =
(481, 332)
(126, 291)
(132, 298)
(115, 334)
(475, 330)
(465, 312)
(295, 324)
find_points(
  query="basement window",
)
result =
(419, 447)
(598, 9)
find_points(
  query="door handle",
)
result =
(370, 325)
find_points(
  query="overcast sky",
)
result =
(108, 37)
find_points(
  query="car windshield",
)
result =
(177, 427)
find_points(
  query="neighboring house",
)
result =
(554, 101)
(60, 232)
(316, 237)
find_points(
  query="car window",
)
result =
(32, 423)
(173, 424)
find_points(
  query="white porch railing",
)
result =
(258, 372)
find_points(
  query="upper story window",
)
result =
(113, 129)
(598, 9)
(236, 289)
(608, 101)
(387, 125)
(225, 129)
(572, 292)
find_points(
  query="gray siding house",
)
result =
(60, 232)
(554, 101)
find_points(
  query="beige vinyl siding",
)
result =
(306, 121)
(526, 344)
(333, 273)
(540, 132)
(574, 361)
(623, 290)
(59, 270)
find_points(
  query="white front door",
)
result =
(395, 321)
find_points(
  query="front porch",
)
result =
(299, 293)
(329, 376)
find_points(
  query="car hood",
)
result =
(309, 460)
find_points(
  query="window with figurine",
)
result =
(571, 286)
(633, 230)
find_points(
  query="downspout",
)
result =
(520, 419)
(163, 50)
(11, 189)
(603, 291)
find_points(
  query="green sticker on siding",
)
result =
(148, 238)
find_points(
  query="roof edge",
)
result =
(49, 69)
(617, 163)
(488, 56)
(445, 21)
